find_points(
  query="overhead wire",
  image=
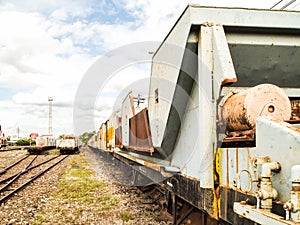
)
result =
(285, 6)
(288, 4)
(276, 4)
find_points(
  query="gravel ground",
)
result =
(41, 206)
(21, 209)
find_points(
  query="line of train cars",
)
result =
(221, 131)
(68, 144)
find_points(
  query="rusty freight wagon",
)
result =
(222, 118)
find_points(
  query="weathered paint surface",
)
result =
(238, 46)
(240, 169)
(260, 216)
(128, 111)
(110, 134)
(281, 145)
(241, 108)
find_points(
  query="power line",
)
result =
(288, 4)
(285, 6)
(276, 4)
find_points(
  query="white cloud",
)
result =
(47, 7)
(47, 46)
(35, 64)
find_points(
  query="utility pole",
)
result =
(50, 100)
(139, 100)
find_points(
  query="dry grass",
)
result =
(78, 195)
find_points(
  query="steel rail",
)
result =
(6, 149)
(6, 197)
(12, 165)
(26, 170)
(17, 176)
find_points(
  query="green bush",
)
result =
(86, 136)
(25, 142)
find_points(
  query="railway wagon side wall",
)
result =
(187, 135)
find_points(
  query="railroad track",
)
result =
(32, 167)
(13, 165)
(10, 148)
(172, 208)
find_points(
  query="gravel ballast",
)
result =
(107, 202)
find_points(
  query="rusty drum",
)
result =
(239, 109)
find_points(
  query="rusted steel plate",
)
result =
(140, 137)
(151, 165)
(118, 137)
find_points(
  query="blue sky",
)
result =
(46, 46)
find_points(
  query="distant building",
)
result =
(33, 136)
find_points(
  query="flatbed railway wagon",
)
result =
(223, 115)
(43, 142)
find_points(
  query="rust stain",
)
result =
(140, 136)
(191, 178)
(140, 161)
(241, 108)
(118, 137)
(228, 80)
